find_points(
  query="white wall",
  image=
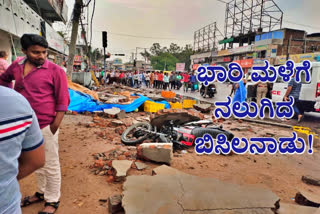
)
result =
(5, 44)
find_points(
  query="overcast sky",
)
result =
(176, 20)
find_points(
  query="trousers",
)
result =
(49, 176)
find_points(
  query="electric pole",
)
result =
(288, 47)
(74, 34)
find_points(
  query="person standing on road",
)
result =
(293, 90)
(155, 83)
(172, 80)
(193, 80)
(262, 90)
(186, 80)
(44, 85)
(178, 81)
(151, 79)
(3, 61)
(240, 94)
(147, 78)
(165, 81)
(160, 80)
(21, 147)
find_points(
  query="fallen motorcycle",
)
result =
(181, 134)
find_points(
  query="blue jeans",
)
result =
(296, 106)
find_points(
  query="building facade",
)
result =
(18, 17)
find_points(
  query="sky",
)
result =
(167, 21)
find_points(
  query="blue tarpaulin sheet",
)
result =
(81, 102)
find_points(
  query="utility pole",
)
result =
(72, 48)
(288, 47)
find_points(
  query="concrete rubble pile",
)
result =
(172, 191)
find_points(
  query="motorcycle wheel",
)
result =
(199, 132)
(131, 140)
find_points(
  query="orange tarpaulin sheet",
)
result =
(77, 87)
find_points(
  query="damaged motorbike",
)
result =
(180, 129)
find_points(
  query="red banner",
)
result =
(195, 66)
(245, 63)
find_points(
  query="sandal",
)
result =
(55, 205)
(26, 201)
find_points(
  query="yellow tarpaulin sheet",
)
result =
(94, 78)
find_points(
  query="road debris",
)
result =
(157, 152)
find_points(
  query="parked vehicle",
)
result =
(309, 91)
(210, 92)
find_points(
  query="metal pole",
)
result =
(104, 58)
(288, 48)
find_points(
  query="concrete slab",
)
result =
(140, 166)
(191, 194)
(166, 170)
(121, 167)
(157, 152)
(295, 209)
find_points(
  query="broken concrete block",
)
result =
(191, 194)
(117, 122)
(141, 166)
(158, 152)
(295, 209)
(204, 108)
(121, 115)
(307, 198)
(166, 170)
(112, 111)
(308, 179)
(115, 204)
(121, 167)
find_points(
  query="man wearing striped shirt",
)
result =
(21, 147)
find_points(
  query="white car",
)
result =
(309, 91)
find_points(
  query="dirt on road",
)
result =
(81, 189)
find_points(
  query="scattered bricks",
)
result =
(98, 164)
(127, 121)
(110, 179)
(117, 123)
(109, 172)
(121, 115)
(161, 153)
(133, 165)
(204, 108)
(142, 114)
(122, 157)
(311, 180)
(87, 113)
(127, 154)
(109, 163)
(74, 113)
(115, 204)
(120, 130)
(132, 148)
(102, 173)
(121, 167)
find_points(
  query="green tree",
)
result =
(165, 61)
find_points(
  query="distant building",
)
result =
(32, 16)
(272, 46)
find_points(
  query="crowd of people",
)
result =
(151, 79)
